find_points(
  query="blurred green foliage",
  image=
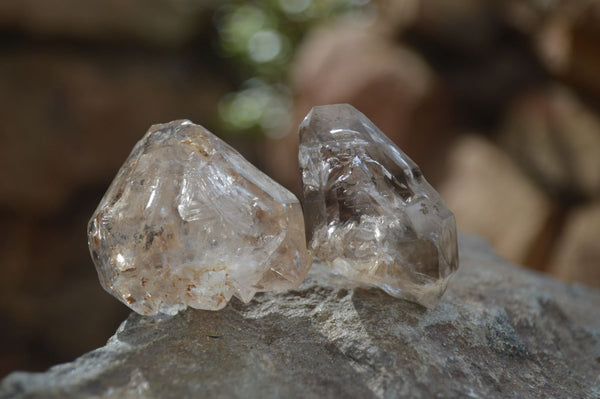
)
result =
(260, 38)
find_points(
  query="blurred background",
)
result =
(498, 101)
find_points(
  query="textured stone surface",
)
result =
(188, 221)
(500, 331)
(369, 212)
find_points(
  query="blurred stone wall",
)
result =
(495, 100)
(498, 101)
(80, 83)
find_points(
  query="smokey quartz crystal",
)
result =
(188, 221)
(369, 212)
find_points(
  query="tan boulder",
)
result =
(577, 253)
(556, 138)
(490, 196)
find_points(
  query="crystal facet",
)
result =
(369, 212)
(188, 221)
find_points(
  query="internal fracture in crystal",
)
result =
(188, 221)
(369, 212)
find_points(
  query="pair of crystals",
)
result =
(188, 221)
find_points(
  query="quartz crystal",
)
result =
(188, 221)
(369, 212)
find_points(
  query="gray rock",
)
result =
(500, 331)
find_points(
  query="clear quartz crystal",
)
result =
(188, 221)
(369, 212)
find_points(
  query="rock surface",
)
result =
(500, 331)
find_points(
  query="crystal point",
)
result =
(188, 221)
(369, 212)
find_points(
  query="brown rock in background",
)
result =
(70, 119)
(70, 116)
(490, 196)
(466, 26)
(584, 63)
(155, 22)
(393, 86)
(576, 257)
(557, 140)
(481, 60)
(565, 35)
(47, 277)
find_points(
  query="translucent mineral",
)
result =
(188, 221)
(369, 212)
